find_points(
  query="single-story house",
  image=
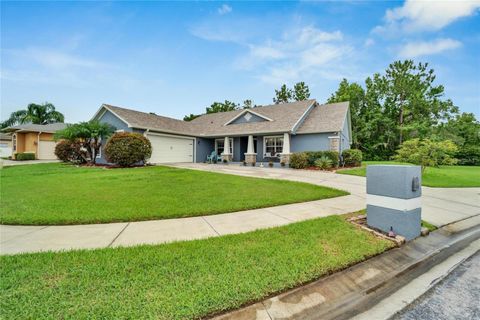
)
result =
(259, 134)
(5, 145)
(34, 138)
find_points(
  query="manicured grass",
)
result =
(429, 226)
(64, 194)
(444, 176)
(179, 280)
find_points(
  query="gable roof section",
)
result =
(245, 111)
(142, 120)
(283, 116)
(325, 118)
(29, 127)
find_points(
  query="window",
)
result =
(272, 146)
(99, 154)
(14, 142)
(219, 146)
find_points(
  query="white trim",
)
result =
(223, 139)
(394, 203)
(304, 115)
(167, 135)
(245, 111)
(334, 137)
(277, 154)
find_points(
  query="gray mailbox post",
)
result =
(394, 199)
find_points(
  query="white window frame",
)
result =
(223, 140)
(277, 154)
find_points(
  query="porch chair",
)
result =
(211, 157)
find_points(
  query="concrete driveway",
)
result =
(440, 206)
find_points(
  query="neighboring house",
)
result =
(260, 134)
(34, 138)
(5, 145)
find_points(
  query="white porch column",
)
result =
(250, 148)
(226, 155)
(250, 156)
(285, 155)
(286, 143)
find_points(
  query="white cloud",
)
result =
(428, 15)
(424, 48)
(224, 9)
(369, 42)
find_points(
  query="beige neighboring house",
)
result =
(34, 138)
(5, 145)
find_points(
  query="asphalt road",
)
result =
(455, 297)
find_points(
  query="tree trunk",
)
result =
(401, 125)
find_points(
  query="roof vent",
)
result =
(153, 113)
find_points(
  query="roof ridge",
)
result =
(146, 113)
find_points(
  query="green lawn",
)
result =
(64, 194)
(179, 280)
(444, 176)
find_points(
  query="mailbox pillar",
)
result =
(394, 199)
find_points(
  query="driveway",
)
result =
(8, 163)
(440, 206)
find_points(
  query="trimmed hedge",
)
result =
(25, 156)
(126, 149)
(302, 160)
(352, 157)
(299, 160)
(69, 151)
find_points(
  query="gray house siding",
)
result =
(345, 137)
(310, 142)
(242, 119)
(204, 147)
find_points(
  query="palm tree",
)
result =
(36, 114)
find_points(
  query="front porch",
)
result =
(251, 149)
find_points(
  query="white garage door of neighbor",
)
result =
(167, 149)
(46, 150)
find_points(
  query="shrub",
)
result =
(334, 156)
(468, 155)
(126, 149)
(70, 151)
(315, 155)
(299, 160)
(270, 163)
(427, 153)
(324, 163)
(352, 157)
(25, 156)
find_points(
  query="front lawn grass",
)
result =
(57, 193)
(443, 176)
(180, 280)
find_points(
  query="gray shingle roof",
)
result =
(325, 118)
(51, 127)
(5, 136)
(322, 118)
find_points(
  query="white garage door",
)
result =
(167, 149)
(46, 150)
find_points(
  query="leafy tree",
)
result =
(89, 134)
(191, 116)
(222, 107)
(36, 114)
(427, 153)
(283, 95)
(248, 104)
(301, 91)
(355, 94)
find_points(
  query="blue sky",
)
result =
(176, 58)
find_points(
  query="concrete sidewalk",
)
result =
(18, 239)
(440, 206)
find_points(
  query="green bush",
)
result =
(323, 163)
(70, 151)
(427, 153)
(25, 156)
(468, 155)
(352, 157)
(315, 155)
(126, 149)
(299, 160)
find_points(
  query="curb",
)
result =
(350, 292)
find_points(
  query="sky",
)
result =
(176, 58)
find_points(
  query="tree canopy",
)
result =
(34, 113)
(299, 92)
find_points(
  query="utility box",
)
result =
(394, 199)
